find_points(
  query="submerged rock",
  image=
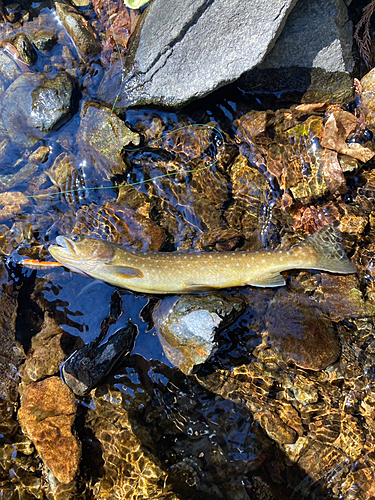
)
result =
(187, 326)
(44, 40)
(79, 29)
(301, 333)
(87, 366)
(54, 102)
(49, 348)
(46, 416)
(33, 105)
(25, 48)
(11, 355)
(102, 132)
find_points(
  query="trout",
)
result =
(181, 272)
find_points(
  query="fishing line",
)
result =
(162, 176)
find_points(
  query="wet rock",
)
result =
(12, 12)
(11, 355)
(49, 348)
(118, 224)
(333, 87)
(44, 40)
(54, 102)
(25, 48)
(127, 464)
(103, 131)
(368, 96)
(88, 365)
(79, 29)
(301, 333)
(46, 415)
(8, 69)
(12, 203)
(23, 109)
(251, 195)
(155, 72)
(302, 165)
(187, 326)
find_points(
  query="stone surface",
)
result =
(46, 416)
(301, 332)
(11, 355)
(102, 131)
(204, 45)
(49, 348)
(54, 102)
(34, 105)
(79, 29)
(368, 96)
(90, 364)
(187, 326)
(318, 33)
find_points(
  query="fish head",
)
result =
(81, 253)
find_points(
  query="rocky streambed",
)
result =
(246, 393)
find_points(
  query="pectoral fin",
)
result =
(124, 271)
(274, 279)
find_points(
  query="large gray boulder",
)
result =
(182, 50)
(314, 50)
(185, 50)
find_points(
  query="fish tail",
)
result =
(328, 252)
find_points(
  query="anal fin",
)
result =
(268, 280)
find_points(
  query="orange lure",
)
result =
(39, 264)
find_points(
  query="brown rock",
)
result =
(79, 29)
(49, 348)
(301, 333)
(11, 355)
(46, 416)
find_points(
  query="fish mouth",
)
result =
(63, 246)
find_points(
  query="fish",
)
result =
(184, 272)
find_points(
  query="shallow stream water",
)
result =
(284, 406)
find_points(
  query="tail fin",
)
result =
(330, 254)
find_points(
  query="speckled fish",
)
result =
(179, 272)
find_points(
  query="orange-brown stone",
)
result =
(46, 416)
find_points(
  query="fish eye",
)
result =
(76, 237)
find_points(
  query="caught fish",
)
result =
(179, 272)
